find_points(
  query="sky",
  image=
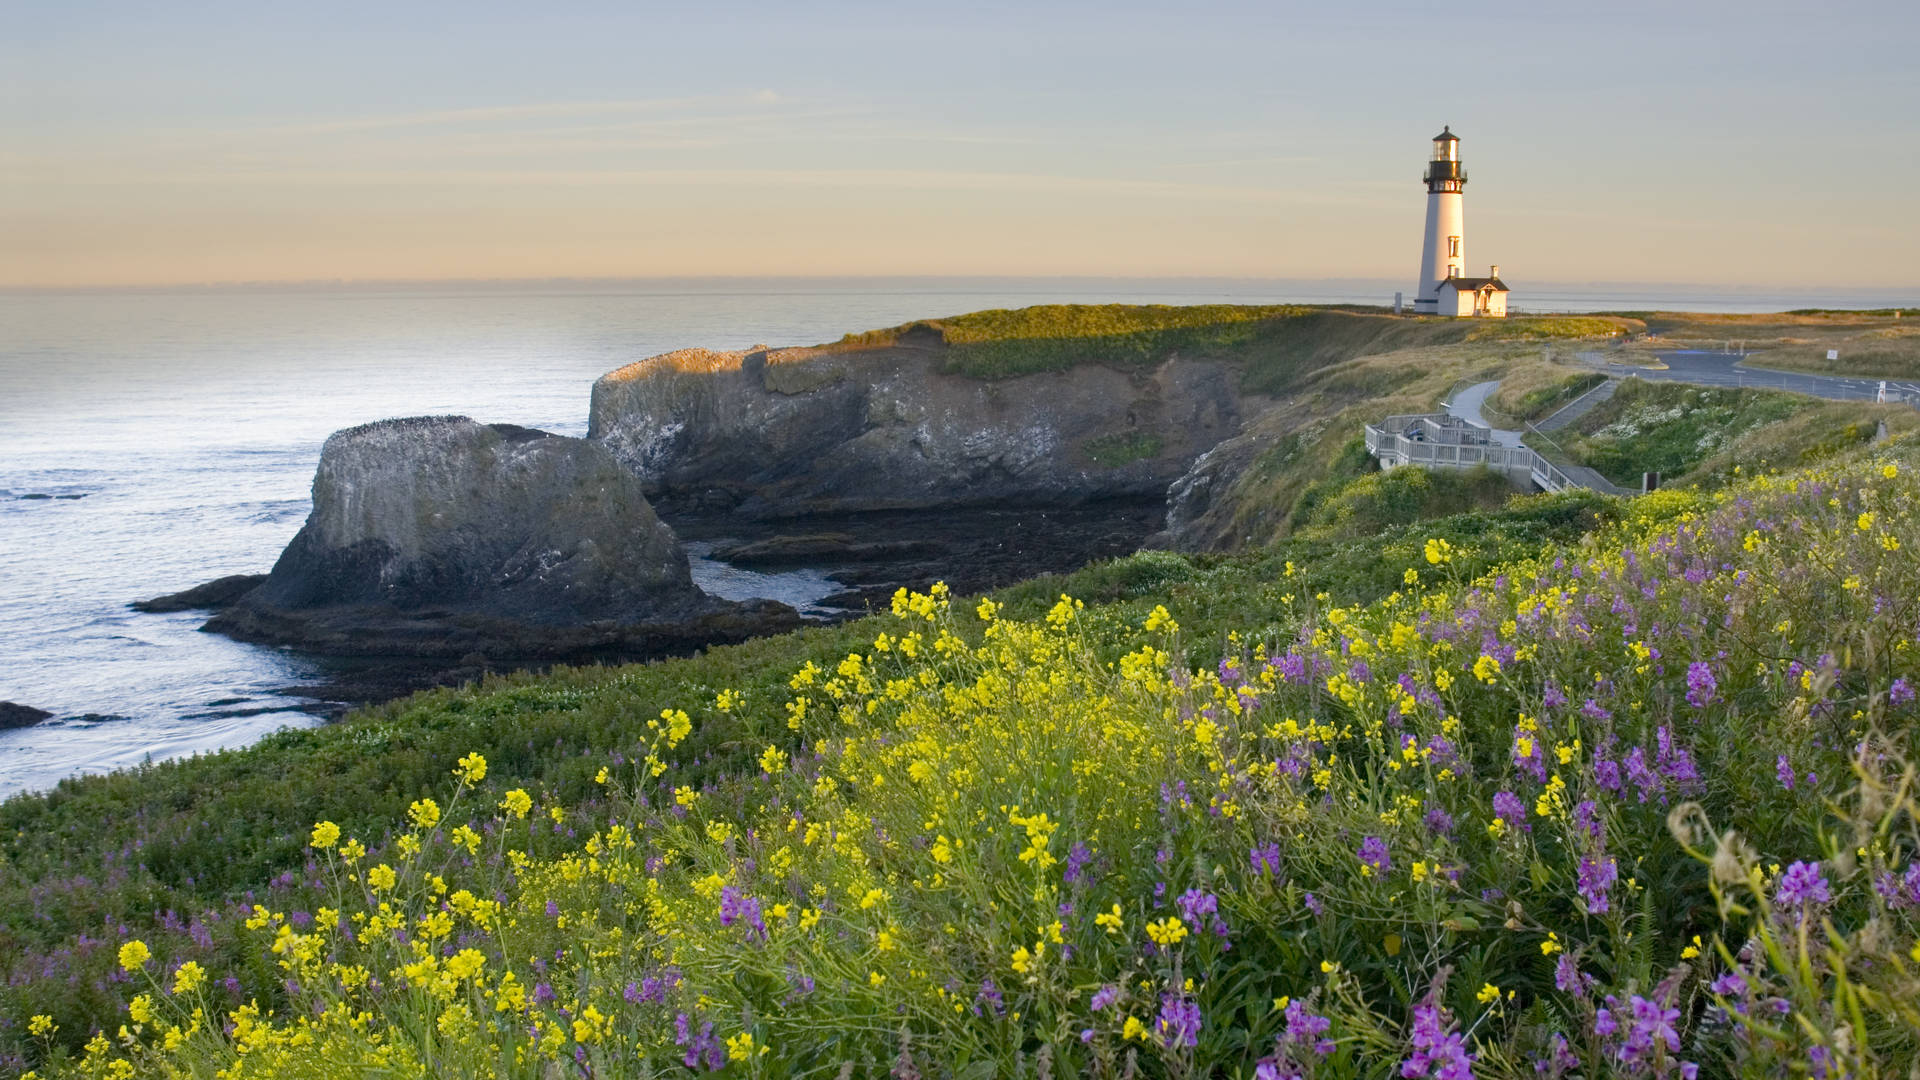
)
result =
(1718, 143)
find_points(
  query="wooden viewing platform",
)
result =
(1443, 441)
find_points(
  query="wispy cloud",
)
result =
(496, 114)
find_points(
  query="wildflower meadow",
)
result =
(1638, 806)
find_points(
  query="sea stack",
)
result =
(440, 536)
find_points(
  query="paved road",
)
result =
(1726, 369)
(1466, 405)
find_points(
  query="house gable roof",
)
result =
(1473, 284)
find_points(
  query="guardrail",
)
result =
(1440, 441)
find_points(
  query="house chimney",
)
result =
(1496, 270)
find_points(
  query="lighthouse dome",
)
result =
(1446, 132)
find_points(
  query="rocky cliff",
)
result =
(439, 536)
(773, 433)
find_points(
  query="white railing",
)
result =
(1440, 441)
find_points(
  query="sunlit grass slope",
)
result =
(1637, 804)
(1277, 344)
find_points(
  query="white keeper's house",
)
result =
(1444, 287)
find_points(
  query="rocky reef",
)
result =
(783, 433)
(18, 716)
(443, 537)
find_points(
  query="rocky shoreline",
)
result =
(440, 548)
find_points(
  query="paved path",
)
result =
(1727, 369)
(1466, 405)
(1572, 411)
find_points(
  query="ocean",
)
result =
(151, 440)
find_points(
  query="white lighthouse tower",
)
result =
(1445, 249)
(1444, 288)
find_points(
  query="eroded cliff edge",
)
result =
(780, 433)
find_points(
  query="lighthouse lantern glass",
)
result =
(1446, 149)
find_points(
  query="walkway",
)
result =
(1466, 405)
(1570, 413)
(1729, 369)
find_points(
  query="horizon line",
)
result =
(606, 279)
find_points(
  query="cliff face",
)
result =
(780, 433)
(440, 536)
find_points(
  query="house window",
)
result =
(1453, 247)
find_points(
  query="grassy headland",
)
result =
(1275, 344)
(1372, 787)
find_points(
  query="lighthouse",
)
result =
(1444, 288)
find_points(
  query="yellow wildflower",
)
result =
(325, 835)
(189, 978)
(518, 803)
(424, 814)
(1166, 932)
(740, 1047)
(472, 769)
(134, 955)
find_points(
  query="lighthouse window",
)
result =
(1453, 246)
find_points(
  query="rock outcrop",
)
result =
(212, 596)
(794, 432)
(442, 537)
(19, 716)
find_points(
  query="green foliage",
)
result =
(1669, 427)
(1365, 506)
(1121, 448)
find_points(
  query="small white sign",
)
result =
(1833, 354)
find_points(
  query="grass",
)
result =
(1274, 344)
(1870, 343)
(1540, 393)
(1702, 435)
(1582, 786)
(1370, 504)
(1121, 448)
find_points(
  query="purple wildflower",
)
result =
(1373, 854)
(742, 909)
(1438, 1050)
(1801, 885)
(1266, 857)
(1290, 666)
(1597, 875)
(1439, 822)
(1901, 692)
(1783, 771)
(1567, 977)
(991, 997)
(1077, 859)
(1179, 1021)
(1651, 1026)
(1702, 689)
(1314, 905)
(1508, 807)
(1104, 997)
(1307, 1029)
